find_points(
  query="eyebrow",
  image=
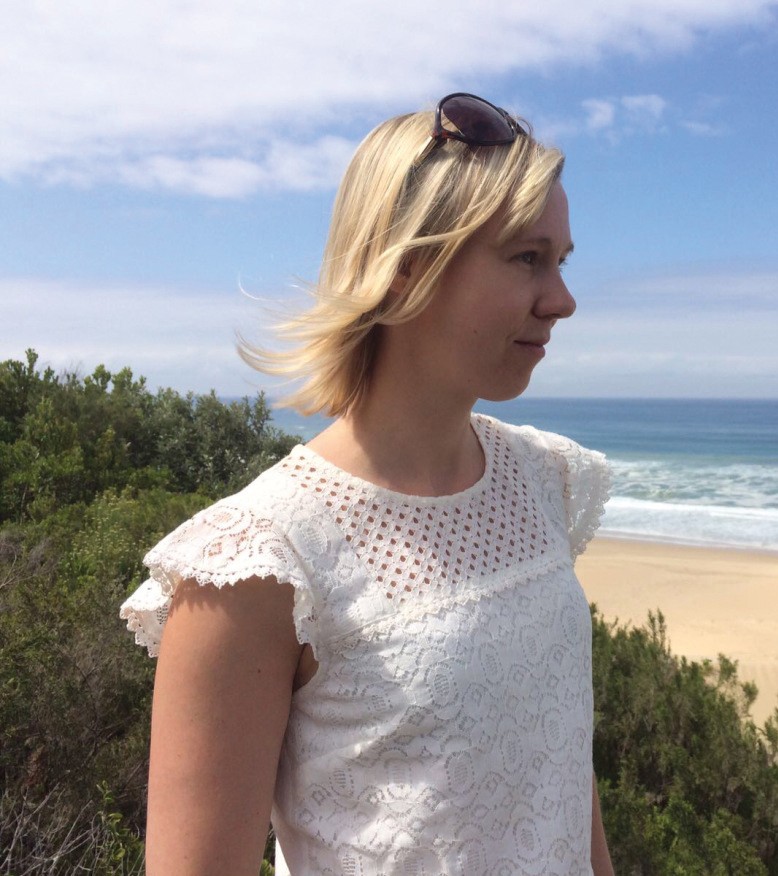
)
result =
(548, 242)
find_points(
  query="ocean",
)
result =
(687, 471)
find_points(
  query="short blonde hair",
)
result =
(388, 215)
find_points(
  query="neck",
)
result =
(407, 438)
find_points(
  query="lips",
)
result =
(533, 347)
(540, 342)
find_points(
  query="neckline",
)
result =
(478, 422)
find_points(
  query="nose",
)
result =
(556, 301)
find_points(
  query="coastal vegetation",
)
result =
(95, 469)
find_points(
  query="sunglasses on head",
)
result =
(472, 120)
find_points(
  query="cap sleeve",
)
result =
(586, 490)
(220, 546)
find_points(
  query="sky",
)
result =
(167, 171)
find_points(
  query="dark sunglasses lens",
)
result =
(475, 120)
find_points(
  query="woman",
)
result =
(401, 668)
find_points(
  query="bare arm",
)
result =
(221, 703)
(601, 859)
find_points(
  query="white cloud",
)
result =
(738, 293)
(617, 117)
(644, 110)
(215, 177)
(600, 114)
(707, 334)
(627, 354)
(638, 105)
(173, 336)
(702, 129)
(285, 165)
(222, 99)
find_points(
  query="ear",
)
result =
(402, 277)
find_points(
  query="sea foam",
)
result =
(755, 528)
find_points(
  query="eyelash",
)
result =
(530, 258)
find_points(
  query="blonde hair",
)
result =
(388, 215)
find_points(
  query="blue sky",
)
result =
(158, 157)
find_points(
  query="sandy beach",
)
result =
(714, 601)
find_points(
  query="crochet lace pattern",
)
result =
(448, 727)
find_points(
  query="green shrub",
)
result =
(93, 472)
(688, 783)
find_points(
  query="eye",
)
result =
(563, 263)
(529, 257)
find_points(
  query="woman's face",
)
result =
(486, 327)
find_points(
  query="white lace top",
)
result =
(448, 729)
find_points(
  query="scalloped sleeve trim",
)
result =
(586, 491)
(220, 546)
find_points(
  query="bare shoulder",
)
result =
(244, 631)
(243, 616)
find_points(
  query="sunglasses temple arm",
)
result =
(427, 149)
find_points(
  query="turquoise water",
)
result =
(695, 471)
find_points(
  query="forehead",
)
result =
(553, 223)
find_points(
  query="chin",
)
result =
(507, 393)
